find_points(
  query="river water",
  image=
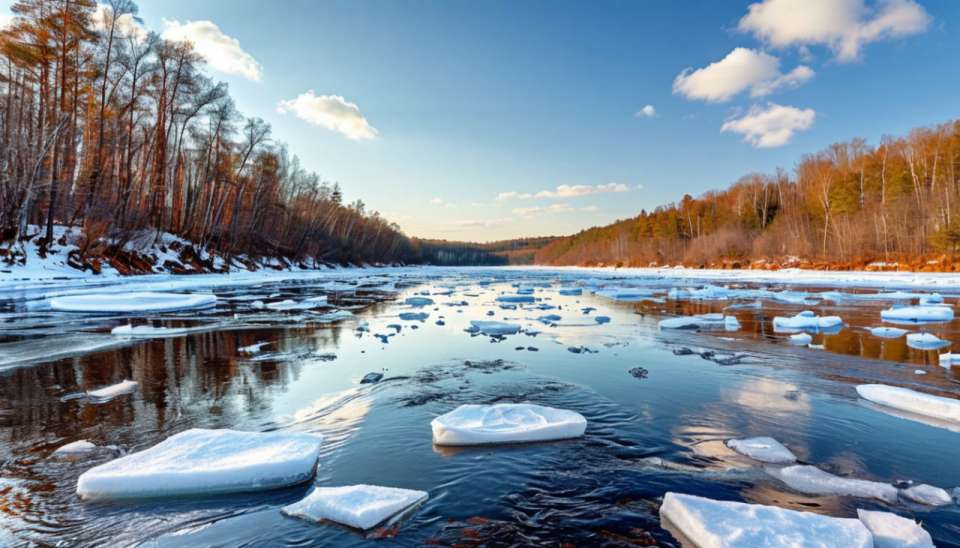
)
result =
(650, 430)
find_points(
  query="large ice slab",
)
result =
(358, 506)
(763, 449)
(494, 328)
(720, 524)
(125, 303)
(806, 320)
(893, 531)
(814, 481)
(506, 423)
(911, 401)
(206, 462)
(914, 314)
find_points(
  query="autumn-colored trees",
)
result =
(849, 203)
(106, 125)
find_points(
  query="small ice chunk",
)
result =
(414, 316)
(801, 339)
(359, 506)
(516, 299)
(888, 332)
(892, 531)
(919, 372)
(913, 314)
(549, 319)
(371, 378)
(911, 401)
(948, 359)
(123, 303)
(506, 423)
(75, 448)
(805, 320)
(253, 348)
(927, 494)
(419, 301)
(763, 449)
(925, 341)
(711, 523)
(602, 319)
(206, 462)
(624, 294)
(702, 321)
(494, 328)
(289, 304)
(571, 291)
(112, 391)
(933, 298)
(149, 332)
(814, 481)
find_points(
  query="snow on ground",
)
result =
(137, 302)
(359, 506)
(763, 449)
(506, 423)
(814, 481)
(205, 462)
(911, 401)
(711, 523)
(892, 531)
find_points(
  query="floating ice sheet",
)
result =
(763, 449)
(904, 399)
(137, 302)
(506, 423)
(358, 506)
(814, 481)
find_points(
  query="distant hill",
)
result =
(452, 253)
(851, 206)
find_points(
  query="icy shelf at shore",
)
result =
(506, 423)
(137, 302)
(205, 462)
(709, 523)
(911, 401)
(763, 449)
(359, 506)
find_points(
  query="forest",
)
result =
(893, 205)
(108, 127)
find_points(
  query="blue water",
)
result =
(646, 436)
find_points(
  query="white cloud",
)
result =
(741, 69)
(332, 112)
(845, 26)
(555, 208)
(127, 25)
(770, 126)
(566, 191)
(441, 202)
(647, 111)
(222, 52)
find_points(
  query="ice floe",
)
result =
(917, 314)
(911, 401)
(801, 339)
(926, 341)
(702, 321)
(359, 506)
(711, 523)
(79, 447)
(624, 294)
(149, 332)
(206, 462)
(138, 302)
(332, 317)
(289, 304)
(516, 299)
(806, 321)
(814, 481)
(892, 531)
(763, 449)
(112, 391)
(418, 301)
(927, 494)
(888, 332)
(506, 423)
(493, 328)
(571, 291)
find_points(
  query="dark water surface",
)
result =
(646, 435)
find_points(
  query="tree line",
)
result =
(848, 206)
(109, 127)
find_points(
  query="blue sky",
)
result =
(447, 105)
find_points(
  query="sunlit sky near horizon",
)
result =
(497, 119)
